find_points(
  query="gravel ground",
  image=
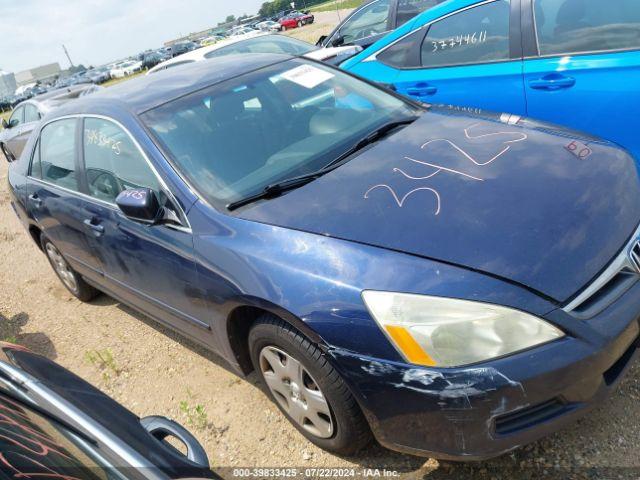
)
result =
(154, 371)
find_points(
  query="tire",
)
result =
(270, 341)
(299, 24)
(284, 28)
(71, 280)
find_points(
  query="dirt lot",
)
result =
(324, 23)
(153, 371)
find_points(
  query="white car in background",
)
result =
(245, 32)
(262, 43)
(269, 26)
(125, 69)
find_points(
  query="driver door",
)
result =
(149, 266)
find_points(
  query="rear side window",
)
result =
(476, 35)
(57, 154)
(578, 26)
(408, 9)
(31, 114)
(113, 162)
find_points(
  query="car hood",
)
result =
(542, 207)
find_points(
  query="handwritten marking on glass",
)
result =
(400, 201)
(438, 169)
(459, 40)
(96, 137)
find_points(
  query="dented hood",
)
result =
(544, 208)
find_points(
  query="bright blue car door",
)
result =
(585, 69)
(465, 58)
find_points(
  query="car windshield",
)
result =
(233, 139)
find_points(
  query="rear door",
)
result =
(467, 58)
(54, 199)
(150, 266)
(583, 66)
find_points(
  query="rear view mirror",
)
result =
(140, 204)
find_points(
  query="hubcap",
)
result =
(62, 268)
(296, 391)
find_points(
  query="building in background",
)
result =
(43, 74)
(7, 84)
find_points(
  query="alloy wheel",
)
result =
(296, 391)
(62, 268)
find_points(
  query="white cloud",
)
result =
(98, 31)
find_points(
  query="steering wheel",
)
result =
(107, 184)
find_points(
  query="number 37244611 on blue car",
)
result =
(450, 284)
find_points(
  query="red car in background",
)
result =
(296, 19)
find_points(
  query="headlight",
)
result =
(445, 332)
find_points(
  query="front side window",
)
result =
(578, 26)
(57, 154)
(370, 20)
(408, 9)
(113, 162)
(17, 117)
(477, 35)
(31, 114)
(266, 44)
(235, 138)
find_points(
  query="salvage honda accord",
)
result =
(455, 284)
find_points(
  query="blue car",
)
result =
(570, 62)
(452, 284)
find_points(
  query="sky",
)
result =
(99, 31)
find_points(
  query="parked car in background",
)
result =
(570, 62)
(151, 59)
(99, 75)
(263, 43)
(182, 47)
(56, 425)
(127, 68)
(296, 20)
(245, 32)
(373, 20)
(370, 258)
(210, 40)
(28, 114)
(269, 26)
(280, 14)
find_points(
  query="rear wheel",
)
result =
(67, 275)
(306, 388)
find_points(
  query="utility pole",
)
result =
(67, 54)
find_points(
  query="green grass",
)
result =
(115, 81)
(333, 4)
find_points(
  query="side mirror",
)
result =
(338, 41)
(140, 204)
(321, 40)
(5, 124)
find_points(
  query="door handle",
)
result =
(422, 90)
(98, 230)
(37, 201)
(554, 81)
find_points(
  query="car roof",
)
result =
(143, 93)
(200, 53)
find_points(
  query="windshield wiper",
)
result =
(276, 189)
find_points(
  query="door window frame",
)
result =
(515, 36)
(21, 108)
(83, 190)
(390, 20)
(531, 46)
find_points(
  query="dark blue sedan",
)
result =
(456, 285)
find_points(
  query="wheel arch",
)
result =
(242, 317)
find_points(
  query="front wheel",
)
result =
(306, 388)
(299, 24)
(67, 275)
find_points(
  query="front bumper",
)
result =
(482, 411)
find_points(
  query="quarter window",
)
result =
(113, 162)
(17, 117)
(370, 20)
(31, 114)
(57, 154)
(476, 35)
(578, 26)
